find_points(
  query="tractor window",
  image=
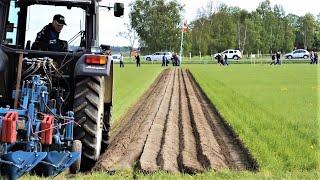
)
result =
(11, 30)
(74, 18)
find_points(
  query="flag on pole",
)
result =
(184, 26)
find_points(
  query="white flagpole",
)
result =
(181, 48)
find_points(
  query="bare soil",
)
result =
(175, 128)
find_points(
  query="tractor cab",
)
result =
(23, 19)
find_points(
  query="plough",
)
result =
(35, 137)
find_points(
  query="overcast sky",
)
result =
(110, 25)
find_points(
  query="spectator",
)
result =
(175, 59)
(315, 60)
(137, 60)
(273, 59)
(226, 60)
(219, 59)
(164, 60)
(121, 61)
(178, 60)
(311, 57)
(278, 58)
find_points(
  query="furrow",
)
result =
(190, 163)
(131, 127)
(148, 160)
(171, 145)
(237, 155)
(138, 142)
(209, 145)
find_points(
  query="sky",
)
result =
(110, 26)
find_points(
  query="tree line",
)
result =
(266, 30)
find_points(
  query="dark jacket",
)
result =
(47, 39)
(138, 58)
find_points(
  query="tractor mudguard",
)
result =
(83, 69)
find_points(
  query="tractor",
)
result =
(55, 104)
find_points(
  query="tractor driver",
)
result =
(48, 38)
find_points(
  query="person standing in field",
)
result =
(164, 60)
(174, 59)
(121, 61)
(273, 59)
(218, 57)
(311, 57)
(278, 58)
(137, 60)
(226, 60)
(315, 60)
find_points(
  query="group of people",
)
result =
(275, 59)
(222, 59)
(165, 60)
(175, 60)
(313, 57)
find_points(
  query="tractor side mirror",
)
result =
(118, 9)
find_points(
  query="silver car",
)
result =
(157, 56)
(298, 53)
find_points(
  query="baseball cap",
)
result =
(59, 18)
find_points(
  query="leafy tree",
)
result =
(157, 24)
(266, 30)
(307, 27)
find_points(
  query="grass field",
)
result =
(274, 110)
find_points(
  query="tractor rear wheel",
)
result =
(88, 109)
(106, 127)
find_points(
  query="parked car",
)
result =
(157, 56)
(298, 53)
(231, 54)
(116, 57)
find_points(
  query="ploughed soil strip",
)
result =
(175, 128)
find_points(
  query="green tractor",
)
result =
(81, 75)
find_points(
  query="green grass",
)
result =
(274, 110)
